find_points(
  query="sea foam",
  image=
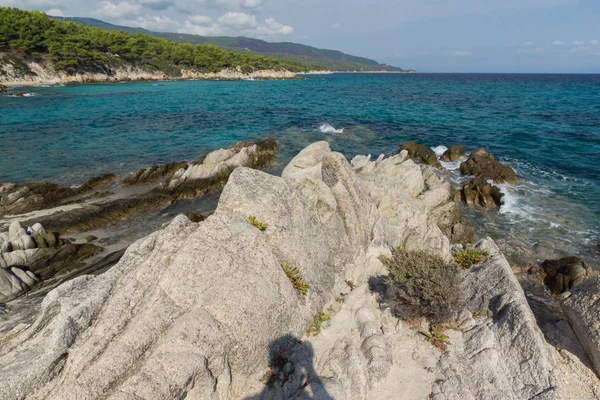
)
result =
(326, 128)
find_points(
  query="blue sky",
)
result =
(428, 35)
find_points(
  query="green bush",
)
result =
(315, 328)
(420, 285)
(468, 258)
(257, 224)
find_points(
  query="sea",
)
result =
(547, 127)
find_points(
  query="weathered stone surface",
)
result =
(454, 153)
(501, 356)
(422, 153)
(583, 310)
(483, 165)
(564, 274)
(3, 88)
(17, 199)
(154, 173)
(479, 193)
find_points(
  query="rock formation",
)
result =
(478, 192)
(206, 311)
(17, 199)
(3, 89)
(564, 274)
(30, 253)
(483, 165)
(582, 307)
(154, 173)
(454, 153)
(422, 153)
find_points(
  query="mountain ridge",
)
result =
(333, 60)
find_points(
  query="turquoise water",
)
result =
(546, 126)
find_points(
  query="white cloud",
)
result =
(462, 53)
(424, 53)
(273, 28)
(195, 5)
(578, 43)
(558, 43)
(532, 50)
(594, 42)
(118, 11)
(528, 44)
(42, 5)
(238, 20)
(200, 20)
(336, 25)
(580, 49)
(158, 5)
(154, 23)
(55, 12)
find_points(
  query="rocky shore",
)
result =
(34, 73)
(284, 290)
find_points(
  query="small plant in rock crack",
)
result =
(468, 258)
(294, 275)
(436, 337)
(350, 284)
(478, 314)
(317, 324)
(256, 223)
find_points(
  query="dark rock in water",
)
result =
(478, 192)
(3, 89)
(422, 153)
(18, 199)
(20, 94)
(90, 238)
(154, 173)
(197, 180)
(195, 217)
(483, 165)
(564, 274)
(453, 153)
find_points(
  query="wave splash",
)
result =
(326, 128)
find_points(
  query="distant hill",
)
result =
(328, 59)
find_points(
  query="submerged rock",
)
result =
(483, 165)
(422, 153)
(564, 274)
(454, 153)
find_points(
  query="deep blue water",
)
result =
(546, 126)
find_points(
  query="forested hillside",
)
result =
(328, 59)
(73, 47)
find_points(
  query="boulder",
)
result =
(582, 308)
(483, 165)
(454, 153)
(479, 193)
(3, 88)
(422, 153)
(564, 274)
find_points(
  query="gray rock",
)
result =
(583, 310)
(502, 356)
(453, 153)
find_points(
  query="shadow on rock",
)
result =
(292, 374)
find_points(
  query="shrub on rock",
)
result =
(420, 285)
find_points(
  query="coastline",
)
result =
(45, 76)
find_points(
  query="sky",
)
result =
(427, 35)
